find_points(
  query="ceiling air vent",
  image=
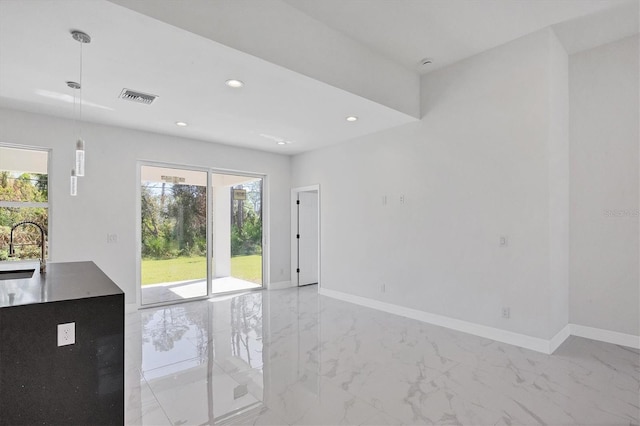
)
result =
(142, 98)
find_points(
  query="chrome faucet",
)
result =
(43, 263)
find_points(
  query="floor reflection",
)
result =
(206, 362)
(292, 357)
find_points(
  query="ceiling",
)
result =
(447, 31)
(187, 72)
(306, 66)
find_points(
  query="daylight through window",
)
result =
(24, 196)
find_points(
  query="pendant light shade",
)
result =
(73, 183)
(80, 157)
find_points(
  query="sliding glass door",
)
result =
(179, 209)
(173, 223)
(237, 232)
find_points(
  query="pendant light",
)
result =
(74, 183)
(74, 179)
(78, 171)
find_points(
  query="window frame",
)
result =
(33, 204)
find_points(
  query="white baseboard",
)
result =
(497, 334)
(505, 336)
(280, 285)
(559, 338)
(606, 336)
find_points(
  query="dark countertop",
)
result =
(62, 281)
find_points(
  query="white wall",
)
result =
(107, 195)
(604, 290)
(558, 184)
(481, 164)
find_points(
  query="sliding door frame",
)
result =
(210, 172)
(265, 227)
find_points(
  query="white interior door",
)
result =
(308, 234)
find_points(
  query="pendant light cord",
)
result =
(75, 113)
(80, 107)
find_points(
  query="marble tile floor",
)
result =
(292, 357)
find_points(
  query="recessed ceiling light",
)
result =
(181, 124)
(352, 118)
(277, 139)
(236, 84)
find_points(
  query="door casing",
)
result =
(294, 231)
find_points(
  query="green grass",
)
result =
(169, 270)
(248, 268)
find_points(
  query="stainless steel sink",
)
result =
(16, 274)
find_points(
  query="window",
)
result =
(24, 197)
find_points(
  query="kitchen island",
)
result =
(72, 374)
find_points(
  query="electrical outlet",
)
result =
(67, 334)
(506, 312)
(112, 238)
(504, 241)
(402, 199)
